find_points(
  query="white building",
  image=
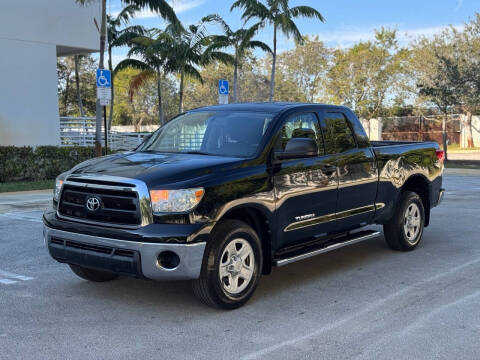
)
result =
(32, 34)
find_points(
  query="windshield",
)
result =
(211, 132)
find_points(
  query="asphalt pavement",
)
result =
(360, 302)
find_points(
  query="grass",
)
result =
(26, 185)
(456, 147)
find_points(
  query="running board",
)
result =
(351, 239)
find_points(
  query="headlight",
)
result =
(174, 201)
(58, 187)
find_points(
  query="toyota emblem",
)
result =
(93, 203)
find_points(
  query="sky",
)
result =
(347, 21)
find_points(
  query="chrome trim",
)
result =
(191, 255)
(289, 260)
(330, 217)
(138, 186)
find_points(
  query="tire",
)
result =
(232, 266)
(92, 275)
(404, 231)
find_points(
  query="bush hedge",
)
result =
(39, 163)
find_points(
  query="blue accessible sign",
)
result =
(223, 87)
(104, 78)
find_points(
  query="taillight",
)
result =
(440, 155)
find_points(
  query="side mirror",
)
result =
(298, 148)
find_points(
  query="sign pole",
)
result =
(104, 95)
(106, 130)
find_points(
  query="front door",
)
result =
(305, 189)
(357, 173)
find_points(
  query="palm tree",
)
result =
(77, 59)
(241, 41)
(113, 24)
(190, 49)
(159, 6)
(152, 47)
(279, 14)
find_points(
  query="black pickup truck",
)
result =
(221, 194)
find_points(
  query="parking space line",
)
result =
(7, 281)
(18, 216)
(7, 274)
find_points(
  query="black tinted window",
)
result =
(338, 134)
(301, 126)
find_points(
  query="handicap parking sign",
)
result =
(104, 78)
(223, 87)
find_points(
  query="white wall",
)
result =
(475, 132)
(32, 34)
(59, 22)
(28, 94)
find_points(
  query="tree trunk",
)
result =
(468, 129)
(274, 61)
(77, 85)
(110, 67)
(161, 116)
(65, 97)
(444, 135)
(182, 80)
(235, 78)
(101, 65)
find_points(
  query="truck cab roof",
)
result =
(270, 107)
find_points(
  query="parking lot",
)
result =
(364, 301)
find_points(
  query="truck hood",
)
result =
(158, 168)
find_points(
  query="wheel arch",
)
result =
(420, 185)
(260, 220)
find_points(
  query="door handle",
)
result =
(329, 169)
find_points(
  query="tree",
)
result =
(367, 74)
(279, 14)
(70, 73)
(190, 49)
(113, 25)
(441, 91)
(77, 59)
(159, 6)
(152, 47)
(307, 67)
(465, 71)
(241, 41)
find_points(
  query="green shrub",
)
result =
(40, 163)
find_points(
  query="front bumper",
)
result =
(139, 259)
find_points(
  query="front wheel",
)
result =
(404, 231)
(231, 266)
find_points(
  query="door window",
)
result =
(301, 126)
(338, 134)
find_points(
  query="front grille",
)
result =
(120, 207)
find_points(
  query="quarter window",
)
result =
(338, 134)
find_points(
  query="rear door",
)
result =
(305, 189)
(347, 144)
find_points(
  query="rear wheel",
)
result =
(404, 231)
(231, 266)
(92, 275)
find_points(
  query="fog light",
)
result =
(168, 260)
